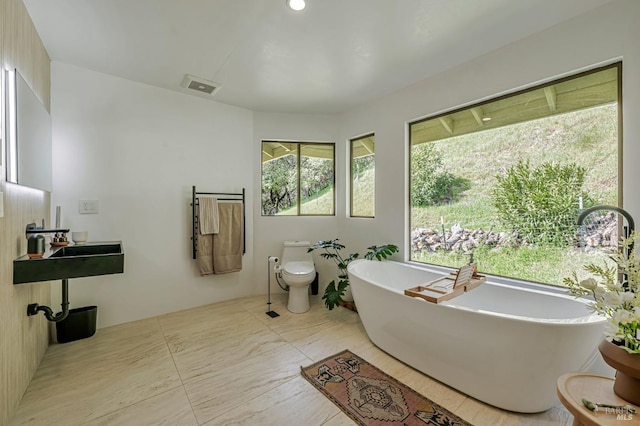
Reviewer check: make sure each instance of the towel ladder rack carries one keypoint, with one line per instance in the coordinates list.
(221, 196)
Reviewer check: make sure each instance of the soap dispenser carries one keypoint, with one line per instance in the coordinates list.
(35, 246)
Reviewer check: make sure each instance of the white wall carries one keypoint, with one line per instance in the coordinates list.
(138, 150)
(603, 35)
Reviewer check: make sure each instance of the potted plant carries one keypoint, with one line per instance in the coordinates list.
(615, 294)
(334, 294)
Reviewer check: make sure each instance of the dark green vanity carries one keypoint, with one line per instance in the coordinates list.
(73, 261)
(62, 263)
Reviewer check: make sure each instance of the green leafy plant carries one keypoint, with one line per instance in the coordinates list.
(332, 250)
(615, 291)
(541, 203)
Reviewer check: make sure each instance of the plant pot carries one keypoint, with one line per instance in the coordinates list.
(347, 296)
(627, 383)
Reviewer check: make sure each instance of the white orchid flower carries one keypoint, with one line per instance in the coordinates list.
(623, 317)
(615, 285)
(589, 284)
(612, 299)
(628, 296)
(599, 293)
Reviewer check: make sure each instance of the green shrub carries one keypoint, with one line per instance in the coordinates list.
(431, 183)
(541, 204)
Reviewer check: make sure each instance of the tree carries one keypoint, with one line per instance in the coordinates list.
(431, 183)
(279, 184)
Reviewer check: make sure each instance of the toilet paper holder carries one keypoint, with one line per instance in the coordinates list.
(271, 259)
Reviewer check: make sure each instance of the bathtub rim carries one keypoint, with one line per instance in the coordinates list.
(591, 318)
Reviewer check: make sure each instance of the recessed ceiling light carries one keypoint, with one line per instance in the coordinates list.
(486, 119)
(296, 5)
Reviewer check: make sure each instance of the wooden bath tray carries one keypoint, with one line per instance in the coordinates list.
(448, 287)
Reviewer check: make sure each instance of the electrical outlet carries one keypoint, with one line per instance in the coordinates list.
(89, 207)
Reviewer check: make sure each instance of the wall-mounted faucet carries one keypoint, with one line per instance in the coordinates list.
(32, 228)
(35, 240)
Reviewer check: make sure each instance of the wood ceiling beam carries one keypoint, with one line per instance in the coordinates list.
(447, 123)
(550, 94)
(478, 114)
(368, 144)
(563, 97)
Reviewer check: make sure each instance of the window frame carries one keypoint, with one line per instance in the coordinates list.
(508, 280)
(351, 192)
(299, 145)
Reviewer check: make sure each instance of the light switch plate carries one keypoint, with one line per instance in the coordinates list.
(1, 204)
(89, 207)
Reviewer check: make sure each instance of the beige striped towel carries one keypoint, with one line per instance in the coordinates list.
(209, 222)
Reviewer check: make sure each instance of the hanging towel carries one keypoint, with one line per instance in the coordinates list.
(204, 253)
(209, 220)
(228, 242)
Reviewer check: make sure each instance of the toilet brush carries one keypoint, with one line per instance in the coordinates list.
(271, 313)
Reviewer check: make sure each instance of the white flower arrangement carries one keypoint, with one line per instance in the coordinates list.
(616, 294)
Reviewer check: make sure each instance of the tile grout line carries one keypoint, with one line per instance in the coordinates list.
(255, 320)
(252, 399)
(184, 389)
(91, 421)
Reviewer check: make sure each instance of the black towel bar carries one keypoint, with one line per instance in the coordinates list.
(221, 196)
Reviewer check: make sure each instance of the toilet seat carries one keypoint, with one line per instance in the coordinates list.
(297, 273)
(298, 268)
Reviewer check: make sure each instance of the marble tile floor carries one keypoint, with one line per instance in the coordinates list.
(222, 364)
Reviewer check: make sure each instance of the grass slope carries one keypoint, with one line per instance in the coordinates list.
(588, 138)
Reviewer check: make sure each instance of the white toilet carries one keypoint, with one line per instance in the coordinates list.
(298, 271)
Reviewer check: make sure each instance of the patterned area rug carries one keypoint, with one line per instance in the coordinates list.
(371, 397)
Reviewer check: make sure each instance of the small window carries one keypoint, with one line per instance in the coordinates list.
(298, 178)
(363, 176)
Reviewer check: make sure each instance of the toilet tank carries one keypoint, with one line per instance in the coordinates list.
(296, 251)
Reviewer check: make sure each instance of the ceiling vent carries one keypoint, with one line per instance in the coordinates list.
(199, 84)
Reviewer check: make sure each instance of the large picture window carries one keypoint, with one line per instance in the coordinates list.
(298, 178)
(363, 176)
(504, 181)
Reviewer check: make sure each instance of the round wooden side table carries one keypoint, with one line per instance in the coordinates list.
(572, 387)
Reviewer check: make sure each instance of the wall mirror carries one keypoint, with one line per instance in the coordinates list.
(28, 135)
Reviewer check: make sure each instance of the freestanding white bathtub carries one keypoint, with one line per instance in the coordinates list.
(503, 345)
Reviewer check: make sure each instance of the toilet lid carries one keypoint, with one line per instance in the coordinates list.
(298, 268)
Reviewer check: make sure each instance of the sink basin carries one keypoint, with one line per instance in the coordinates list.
(88, 250)
(75, 261)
